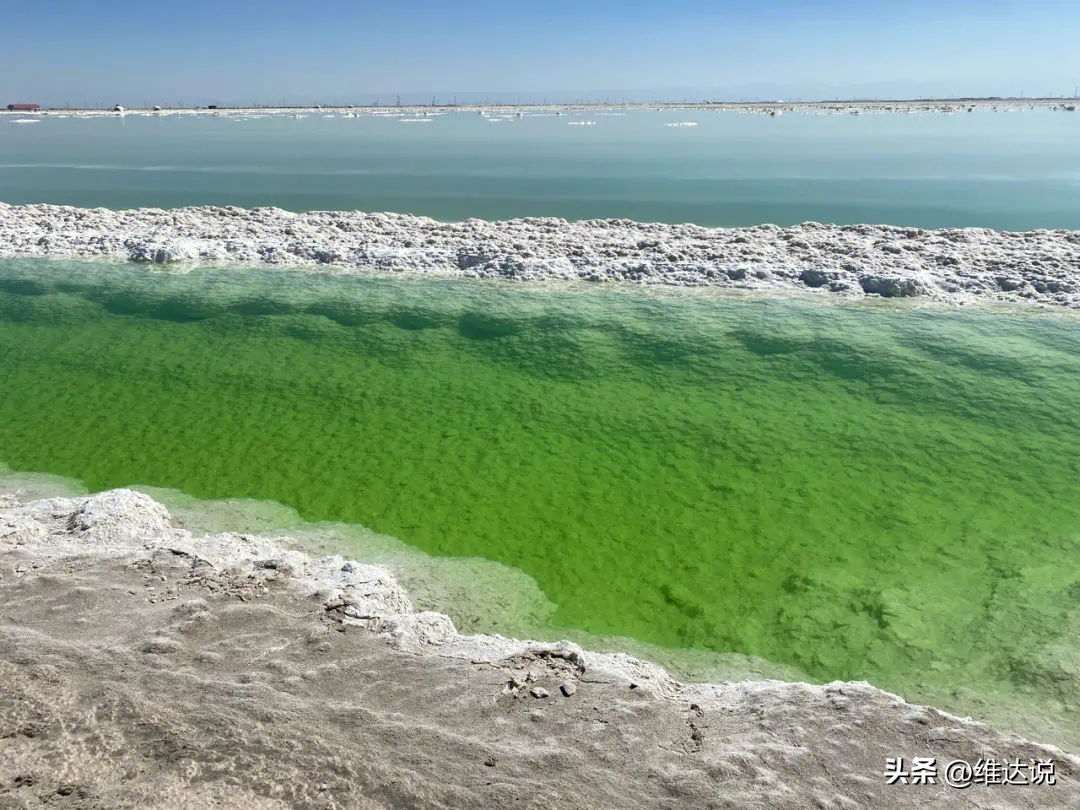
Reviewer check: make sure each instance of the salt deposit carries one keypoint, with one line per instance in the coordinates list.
(950, 265)
(770, 108)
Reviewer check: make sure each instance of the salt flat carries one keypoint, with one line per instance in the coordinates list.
(175, 670)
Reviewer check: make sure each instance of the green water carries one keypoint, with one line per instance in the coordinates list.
(854, 491)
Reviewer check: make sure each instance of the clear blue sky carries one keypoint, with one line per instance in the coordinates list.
(77, 52)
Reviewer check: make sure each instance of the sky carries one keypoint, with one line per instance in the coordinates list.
(106, 52)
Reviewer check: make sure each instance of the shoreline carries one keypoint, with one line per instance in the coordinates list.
(105, 596)
(955, 265)
(858, 106)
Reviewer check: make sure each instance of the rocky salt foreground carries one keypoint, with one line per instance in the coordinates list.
(953, 265)
(142, 666)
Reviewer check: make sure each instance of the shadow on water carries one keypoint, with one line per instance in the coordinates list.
(415, 320)
(479, 326)
(262, 306)
(173, 310)
(22, 287)
(121, 304)
(840, 359)
(341, 314)
(178, 310)
(765, 345)
(650, 349)
(978, 361)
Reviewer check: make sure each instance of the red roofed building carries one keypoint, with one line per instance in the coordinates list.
(23, 107)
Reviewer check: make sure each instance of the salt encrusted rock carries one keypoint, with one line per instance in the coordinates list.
(365, 591)
(892, 286)
(119, 516)
(414, 632)
(19, 529)
(813, 277)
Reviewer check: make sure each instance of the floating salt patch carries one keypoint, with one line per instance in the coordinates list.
(582, 123)
(25, 121)
(683, 124)
(416, 120)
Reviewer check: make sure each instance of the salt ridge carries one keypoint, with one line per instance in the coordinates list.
(952, 265)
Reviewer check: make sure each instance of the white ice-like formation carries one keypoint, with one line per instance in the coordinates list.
(952, 265)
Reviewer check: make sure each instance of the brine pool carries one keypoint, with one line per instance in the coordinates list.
(815, 488)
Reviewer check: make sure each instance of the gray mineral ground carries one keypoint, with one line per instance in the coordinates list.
(143, 666)
(959, 265)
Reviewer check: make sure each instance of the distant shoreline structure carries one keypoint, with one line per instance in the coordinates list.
(851, 105)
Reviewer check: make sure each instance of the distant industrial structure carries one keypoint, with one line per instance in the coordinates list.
(23, 107)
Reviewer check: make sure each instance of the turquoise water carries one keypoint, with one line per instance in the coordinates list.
(851, 491)
(999, 170)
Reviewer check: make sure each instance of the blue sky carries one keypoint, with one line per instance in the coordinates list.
(333, 51)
